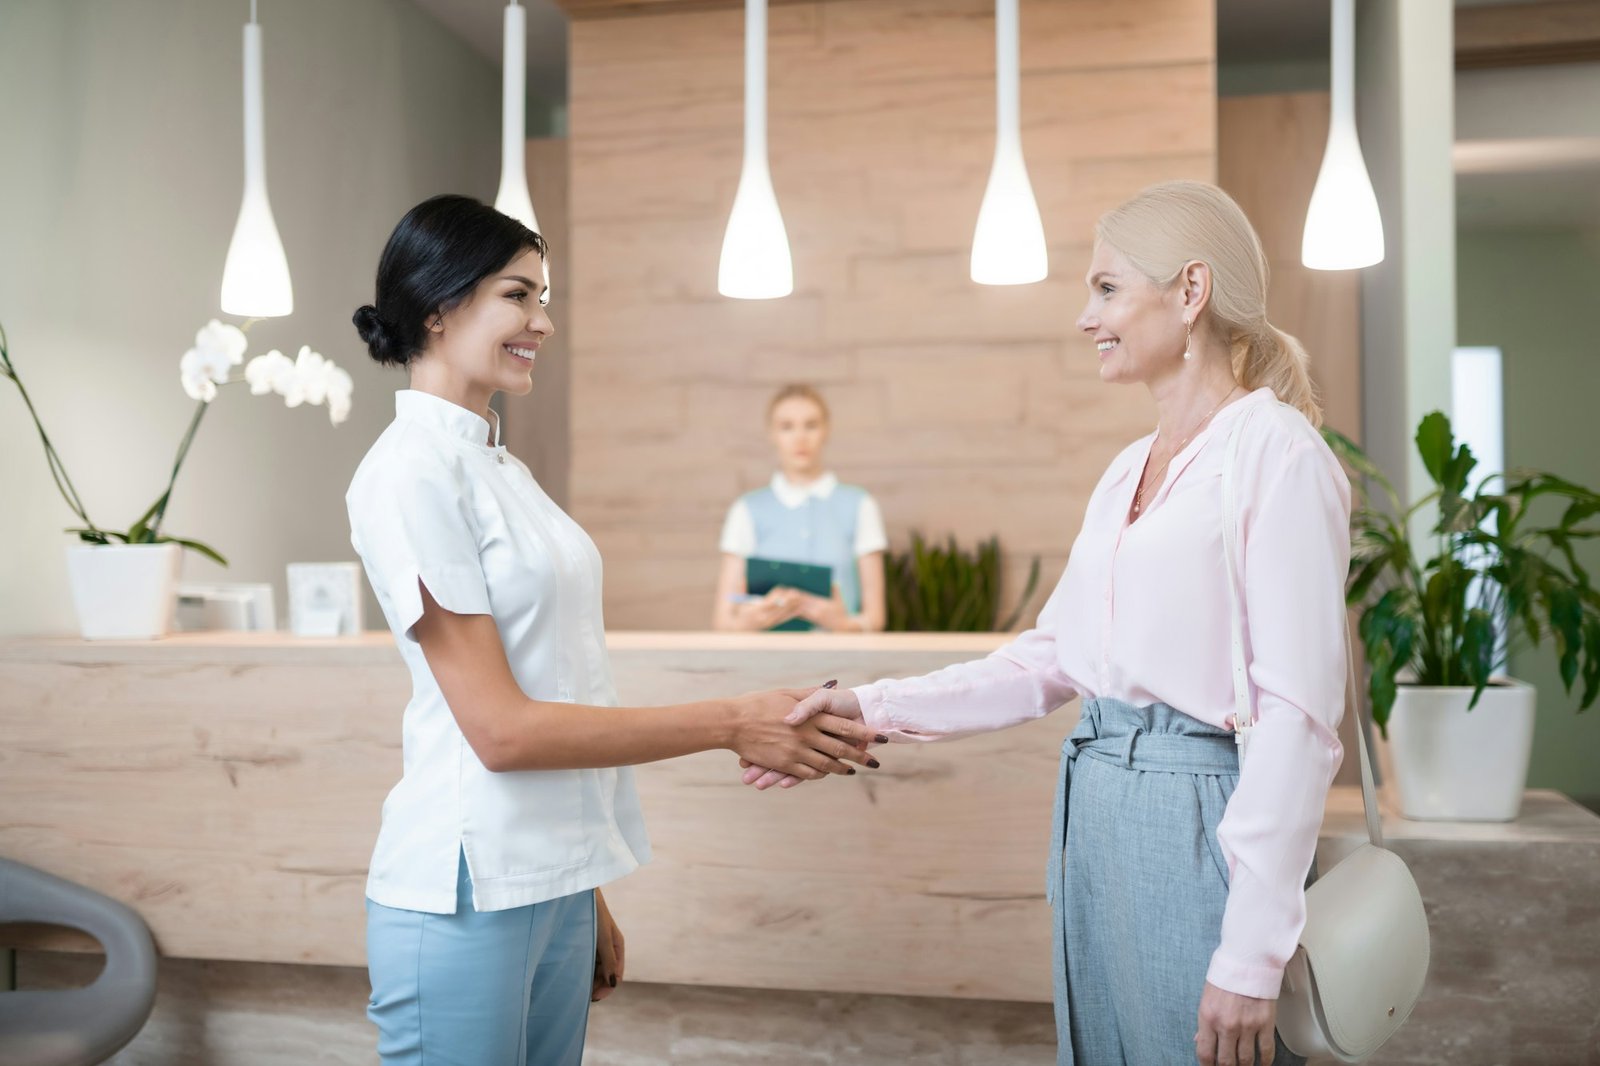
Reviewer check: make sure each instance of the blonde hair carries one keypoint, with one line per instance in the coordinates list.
(798, 392)
(1178, 222)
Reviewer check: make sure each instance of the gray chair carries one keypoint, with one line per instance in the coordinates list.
(76, 1026)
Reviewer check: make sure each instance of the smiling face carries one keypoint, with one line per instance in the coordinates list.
(1137, 325)
(489, 341)
(799, 429)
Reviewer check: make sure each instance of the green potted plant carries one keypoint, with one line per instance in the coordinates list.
(934, 588)
(124, 580)
(1441, 618)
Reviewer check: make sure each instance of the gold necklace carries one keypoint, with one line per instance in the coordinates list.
(1146, 476)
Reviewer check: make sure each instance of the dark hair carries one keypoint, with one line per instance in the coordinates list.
(434, 259)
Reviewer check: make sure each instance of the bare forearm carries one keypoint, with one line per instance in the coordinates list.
(539, 735)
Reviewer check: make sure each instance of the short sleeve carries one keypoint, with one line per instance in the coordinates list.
(413, 528)
(870, 535)
(739, 531)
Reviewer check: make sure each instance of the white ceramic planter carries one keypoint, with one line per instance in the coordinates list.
(1443, 762)
(124, 591)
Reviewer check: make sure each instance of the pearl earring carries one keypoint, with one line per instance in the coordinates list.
(1188, 334)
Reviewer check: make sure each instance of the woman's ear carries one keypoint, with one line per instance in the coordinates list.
(1196, 286)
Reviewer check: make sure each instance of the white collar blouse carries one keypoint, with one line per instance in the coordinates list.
(434, 502)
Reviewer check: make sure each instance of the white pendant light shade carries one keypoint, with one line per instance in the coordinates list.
(513, 198)
(755, 263)
(1344, 230)
(1008, 245)
(255, 276)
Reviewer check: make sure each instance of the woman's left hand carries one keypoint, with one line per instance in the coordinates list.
(1235, 1030)
(824, 613)
(609, 953)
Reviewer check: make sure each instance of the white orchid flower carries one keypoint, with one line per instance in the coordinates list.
(195, 373)
(218, 348)
(311, 374)
(272, 372)
(339, 386)
(220, 337)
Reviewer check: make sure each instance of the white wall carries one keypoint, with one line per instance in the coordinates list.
(1404, 103)
(120, 176)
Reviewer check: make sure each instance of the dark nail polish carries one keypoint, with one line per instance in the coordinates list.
(612, 980)
(881, 739)
(852, 770)
(831, 684)
(873, 763)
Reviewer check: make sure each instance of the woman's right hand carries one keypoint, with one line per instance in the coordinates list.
(820, 745)
(827, 702)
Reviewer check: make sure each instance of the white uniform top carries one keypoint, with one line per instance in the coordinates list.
(434, 501)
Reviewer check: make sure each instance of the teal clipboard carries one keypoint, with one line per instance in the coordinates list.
(761, 576)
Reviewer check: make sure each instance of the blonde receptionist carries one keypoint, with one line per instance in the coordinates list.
(805, 515)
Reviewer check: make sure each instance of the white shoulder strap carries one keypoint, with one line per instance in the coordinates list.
(1243, 716)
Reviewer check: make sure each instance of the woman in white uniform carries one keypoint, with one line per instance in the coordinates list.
(487, 936)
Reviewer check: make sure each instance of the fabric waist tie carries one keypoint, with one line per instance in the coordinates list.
(1152, 739)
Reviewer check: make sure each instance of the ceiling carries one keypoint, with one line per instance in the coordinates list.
(478, 22)
(1492, 191)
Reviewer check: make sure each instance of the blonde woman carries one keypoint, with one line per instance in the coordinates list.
(1177, 881)
(805, 515)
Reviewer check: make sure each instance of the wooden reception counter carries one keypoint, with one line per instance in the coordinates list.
(228, 787)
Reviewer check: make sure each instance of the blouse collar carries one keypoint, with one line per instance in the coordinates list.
(791, 495)
(1140, 449)
(448, 417)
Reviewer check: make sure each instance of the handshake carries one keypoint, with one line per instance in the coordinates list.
(795, 735)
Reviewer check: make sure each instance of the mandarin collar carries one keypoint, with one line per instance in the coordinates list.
(450, 418)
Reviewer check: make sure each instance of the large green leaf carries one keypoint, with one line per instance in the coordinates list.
(194, 546)
(1434, 441)
(1477, 651)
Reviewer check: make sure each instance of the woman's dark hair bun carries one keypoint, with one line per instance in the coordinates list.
(435, 257)
(375, 332)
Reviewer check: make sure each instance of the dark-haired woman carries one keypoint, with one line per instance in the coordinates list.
(487, 937)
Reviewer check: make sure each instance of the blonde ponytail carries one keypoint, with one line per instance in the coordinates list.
(1269, 356)
(1178, 222)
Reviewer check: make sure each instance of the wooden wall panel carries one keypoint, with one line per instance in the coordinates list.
(965, 409)
(1269, 149)
(538, 427)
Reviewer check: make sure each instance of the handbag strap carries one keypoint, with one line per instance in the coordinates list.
(1243, 717)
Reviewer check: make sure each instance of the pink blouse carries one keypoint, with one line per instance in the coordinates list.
(1141, 615)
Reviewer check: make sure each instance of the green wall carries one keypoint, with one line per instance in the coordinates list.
(1531, 294)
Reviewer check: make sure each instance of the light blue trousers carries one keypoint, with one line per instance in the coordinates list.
(1138, 883)
(499, 988)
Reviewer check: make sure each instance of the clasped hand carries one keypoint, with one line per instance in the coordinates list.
(791, 732)
(821, 707)
(785, 604)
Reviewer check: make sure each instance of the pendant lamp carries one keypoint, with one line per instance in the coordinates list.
(255, 276)
(513, 198)
(1008, 245)
(1343, 228)
(755, 262)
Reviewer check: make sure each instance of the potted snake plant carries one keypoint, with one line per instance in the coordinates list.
(1500, 571)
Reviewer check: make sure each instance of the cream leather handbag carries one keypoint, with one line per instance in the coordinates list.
(1363, 954)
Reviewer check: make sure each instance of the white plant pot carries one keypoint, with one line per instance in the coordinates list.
(1443, 762)
(124, 591)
